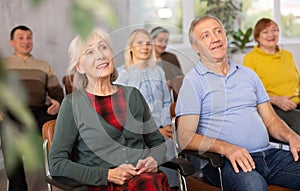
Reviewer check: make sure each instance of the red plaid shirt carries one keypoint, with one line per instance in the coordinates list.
(112, 107)
(146, 181)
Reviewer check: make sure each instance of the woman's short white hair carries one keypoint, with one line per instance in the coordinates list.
(76, 48)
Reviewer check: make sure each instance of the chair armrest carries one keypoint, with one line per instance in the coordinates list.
(213, 158)
(184, 166)
(272, 139)
(65, 183)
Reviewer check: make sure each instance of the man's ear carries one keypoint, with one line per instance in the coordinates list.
(11, 42)
(79, 70)
(196, 48)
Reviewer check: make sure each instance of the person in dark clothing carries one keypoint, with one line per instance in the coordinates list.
(44, 93)
(167, 60)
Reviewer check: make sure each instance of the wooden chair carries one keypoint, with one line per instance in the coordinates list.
(174, 86)
(68, 83)
(184, 167)
(62, 183)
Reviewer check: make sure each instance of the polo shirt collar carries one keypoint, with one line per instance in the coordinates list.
(202, 69)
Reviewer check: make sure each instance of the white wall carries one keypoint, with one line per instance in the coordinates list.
(50, 26)
(295, 49)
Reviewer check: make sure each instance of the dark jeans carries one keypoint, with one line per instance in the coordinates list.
(273, 166)
(292, 118)
(16, 177)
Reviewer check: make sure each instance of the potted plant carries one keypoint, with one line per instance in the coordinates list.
(241, 40)
(240, 44)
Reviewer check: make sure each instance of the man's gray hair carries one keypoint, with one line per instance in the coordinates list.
(197, 21)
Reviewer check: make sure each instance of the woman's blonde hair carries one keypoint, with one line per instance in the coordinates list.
(76, 49)
(128, 60)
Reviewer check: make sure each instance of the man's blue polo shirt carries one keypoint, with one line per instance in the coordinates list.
(227, 105)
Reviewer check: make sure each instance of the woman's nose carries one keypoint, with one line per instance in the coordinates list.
(100, 55)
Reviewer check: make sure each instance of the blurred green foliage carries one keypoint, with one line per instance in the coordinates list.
(22, 138)
(84, 13)
(225, 10)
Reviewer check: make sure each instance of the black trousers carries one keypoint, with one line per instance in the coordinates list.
(292, 117)
(41, 116)
(16, 176)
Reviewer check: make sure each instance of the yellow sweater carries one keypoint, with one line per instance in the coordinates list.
(278, 72)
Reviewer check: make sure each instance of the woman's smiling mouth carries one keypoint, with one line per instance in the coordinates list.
(100, 66)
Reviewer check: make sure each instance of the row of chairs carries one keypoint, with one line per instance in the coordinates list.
(189, 182)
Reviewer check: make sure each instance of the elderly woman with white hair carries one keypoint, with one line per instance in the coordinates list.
(105, 136)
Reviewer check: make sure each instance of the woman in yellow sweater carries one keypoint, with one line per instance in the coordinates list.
(277, 70)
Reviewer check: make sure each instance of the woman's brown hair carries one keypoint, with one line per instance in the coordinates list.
(261, 25)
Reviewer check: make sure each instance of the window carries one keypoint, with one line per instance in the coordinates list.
(290, 18)
(285, 12)
(176, 15)
(165, 13)
(254, 10)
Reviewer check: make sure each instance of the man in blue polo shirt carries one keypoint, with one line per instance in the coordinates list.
(223, 107)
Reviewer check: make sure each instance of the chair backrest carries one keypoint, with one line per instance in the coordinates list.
(48, 131)
(174, 86)
(68, 83)
(172, 110)
(63, 183)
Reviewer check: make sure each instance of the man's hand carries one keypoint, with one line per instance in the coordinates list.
(148, 164)
(240, 157)
(121, 174)
(294, 142)
(53, 109)
(166, 131)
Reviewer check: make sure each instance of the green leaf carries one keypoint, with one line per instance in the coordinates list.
(20, 141)
(248, 33)
(15, 105)
(240, 40)
(2, 70)
(36, 3)
(82, 20)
